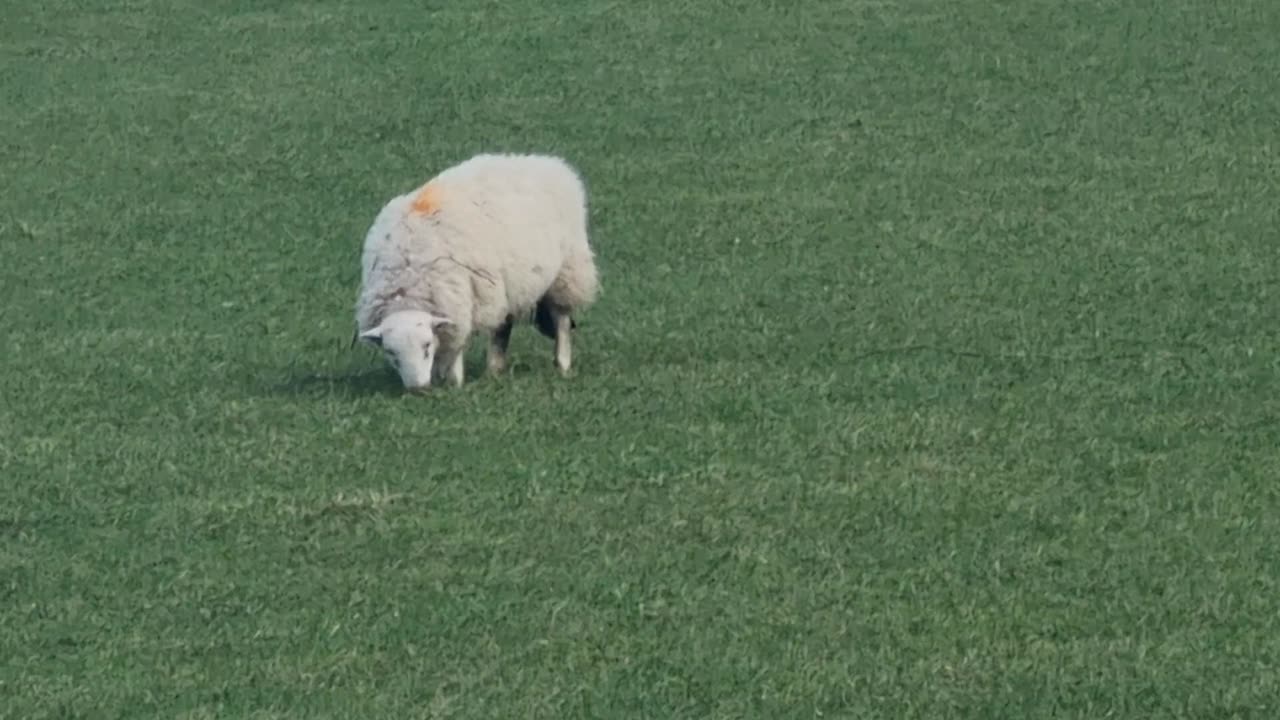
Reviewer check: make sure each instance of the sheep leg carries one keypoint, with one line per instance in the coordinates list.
(564, 330)
(449, 366)
(455, 369)
(498, 346)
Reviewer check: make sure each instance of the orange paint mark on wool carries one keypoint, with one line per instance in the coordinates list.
(427, 200)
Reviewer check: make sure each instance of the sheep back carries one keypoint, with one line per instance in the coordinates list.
(482, 240)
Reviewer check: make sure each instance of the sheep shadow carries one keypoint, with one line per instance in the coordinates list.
(350, 383)
(380, 380)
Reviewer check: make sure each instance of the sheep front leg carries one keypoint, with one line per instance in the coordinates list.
(449, 366)
(455, 369)
(564, 330)
(498, 346)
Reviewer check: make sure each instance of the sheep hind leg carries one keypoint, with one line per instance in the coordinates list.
(564, 335)
(544, 318)
(498, 346)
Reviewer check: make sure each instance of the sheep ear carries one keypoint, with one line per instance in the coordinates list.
(373, 337)
(439, 322)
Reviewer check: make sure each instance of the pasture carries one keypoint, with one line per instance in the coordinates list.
(935, 373)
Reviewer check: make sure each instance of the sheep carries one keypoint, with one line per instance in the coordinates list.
(492, 239)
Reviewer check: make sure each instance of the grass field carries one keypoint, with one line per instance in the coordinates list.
(936, 372)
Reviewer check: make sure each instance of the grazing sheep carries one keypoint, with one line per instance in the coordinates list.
(493, 239)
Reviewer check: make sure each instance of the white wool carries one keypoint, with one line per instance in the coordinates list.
(481, 242)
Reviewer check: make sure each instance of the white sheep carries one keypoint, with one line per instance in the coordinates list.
(494, 239)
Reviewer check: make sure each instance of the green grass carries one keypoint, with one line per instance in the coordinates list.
(936, 372)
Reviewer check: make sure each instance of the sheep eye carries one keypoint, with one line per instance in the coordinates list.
(426, 350)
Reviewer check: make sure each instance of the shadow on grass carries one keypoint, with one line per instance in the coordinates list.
(372, 381)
